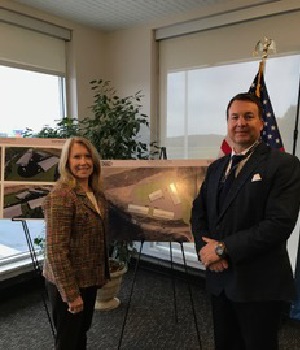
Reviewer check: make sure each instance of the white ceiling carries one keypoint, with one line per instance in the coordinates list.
(116, 14)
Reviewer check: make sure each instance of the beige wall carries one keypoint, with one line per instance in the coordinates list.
(129, 53)
(88, 52)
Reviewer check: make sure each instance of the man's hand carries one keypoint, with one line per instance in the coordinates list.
(219, 266)
(207, 254)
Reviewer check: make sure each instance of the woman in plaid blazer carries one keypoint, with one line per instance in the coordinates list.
(76, 259)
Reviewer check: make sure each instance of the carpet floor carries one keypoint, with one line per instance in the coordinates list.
(151, 322)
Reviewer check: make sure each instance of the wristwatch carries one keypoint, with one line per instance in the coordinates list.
(220, 250)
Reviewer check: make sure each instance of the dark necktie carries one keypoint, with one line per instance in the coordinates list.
(228, 180)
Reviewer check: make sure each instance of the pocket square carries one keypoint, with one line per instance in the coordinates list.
(256, 177)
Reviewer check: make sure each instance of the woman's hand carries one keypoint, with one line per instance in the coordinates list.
(76, 305)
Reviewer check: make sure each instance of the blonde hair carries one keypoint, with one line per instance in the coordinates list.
(66, 177)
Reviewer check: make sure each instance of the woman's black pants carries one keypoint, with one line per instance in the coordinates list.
(71, 329)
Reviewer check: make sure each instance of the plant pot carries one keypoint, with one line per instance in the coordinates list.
(107, 296)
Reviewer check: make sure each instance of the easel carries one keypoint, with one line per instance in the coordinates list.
(163, 155)
(173, 287)
(36, 268)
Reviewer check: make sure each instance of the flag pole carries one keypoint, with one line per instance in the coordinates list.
(260, 73)
(295, 138)
(262, 46)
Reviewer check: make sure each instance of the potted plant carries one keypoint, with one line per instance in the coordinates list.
(114, 130)
(119, 258)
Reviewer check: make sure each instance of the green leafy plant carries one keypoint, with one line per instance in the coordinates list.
(116, 123)
(122, 251)
(64, 128)
(40, 242)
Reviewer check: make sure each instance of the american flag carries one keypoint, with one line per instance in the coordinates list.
(270, 133)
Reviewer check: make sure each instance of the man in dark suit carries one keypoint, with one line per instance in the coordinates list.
(245, 212)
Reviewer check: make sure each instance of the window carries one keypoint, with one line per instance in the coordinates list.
(33, 64)
(197, 100)
(161, 250)
(29, 99)
(14, 252)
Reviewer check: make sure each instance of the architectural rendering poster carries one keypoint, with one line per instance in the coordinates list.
(152, 200)
(29, 167)
(148, 200)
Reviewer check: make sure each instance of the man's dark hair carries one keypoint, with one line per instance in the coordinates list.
(246, 96)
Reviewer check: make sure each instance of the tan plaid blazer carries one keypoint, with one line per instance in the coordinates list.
(76, 252)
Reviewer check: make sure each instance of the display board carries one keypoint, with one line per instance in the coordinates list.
(148, 199)
(28, 170)
(152, 200)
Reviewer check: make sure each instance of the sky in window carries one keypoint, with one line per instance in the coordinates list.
(208, 91)
(28, 99)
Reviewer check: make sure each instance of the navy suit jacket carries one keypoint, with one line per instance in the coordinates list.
(257, 218)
